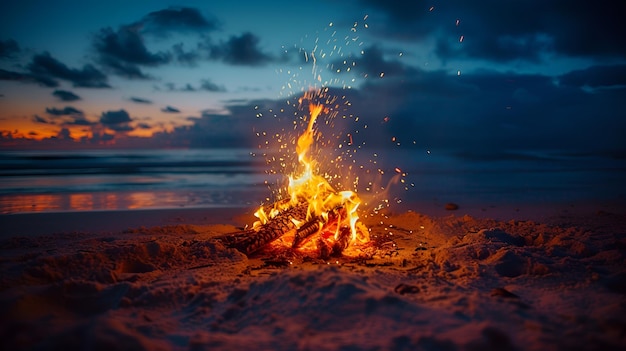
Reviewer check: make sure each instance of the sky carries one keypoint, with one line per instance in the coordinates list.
(475, 77)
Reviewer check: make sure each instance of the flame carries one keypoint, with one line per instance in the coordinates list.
(313, 189)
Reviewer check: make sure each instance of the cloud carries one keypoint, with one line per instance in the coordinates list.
(140, 100)
(182, 19)
(205, 85)
(487, 112)
(603, 76)
(172, 87)
(66, 111)
(118, 121)
(42, 120)
(372, 62)
(27, 78)
(78, 121)
(508, 31)
(123, 69)
(8, 49)
(65, 95)
(70, 116)
(44, 81)
(480, 113)
(10, 75)
(170, 109)
(120, 127)
(208, 131)
(113, 118)
(240, 50)
(127, 45)
(143, 125)
(189, 58)
(124, 51)
(44, 69)
(500, 48)
(64, 134)
(584, 29)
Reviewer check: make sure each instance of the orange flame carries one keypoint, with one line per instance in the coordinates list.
(314, 189)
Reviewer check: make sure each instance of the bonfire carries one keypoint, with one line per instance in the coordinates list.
(314, 215)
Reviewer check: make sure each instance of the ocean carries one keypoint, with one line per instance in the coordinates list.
(92, 180)
(96, 180)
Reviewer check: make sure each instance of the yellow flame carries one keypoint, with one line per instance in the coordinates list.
(311, 188)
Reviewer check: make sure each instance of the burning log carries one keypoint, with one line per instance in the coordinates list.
(250, 241)
(342, 241)
(325, 250)
(334, 236)
(333, 247)
(315, 225)
(305, 231)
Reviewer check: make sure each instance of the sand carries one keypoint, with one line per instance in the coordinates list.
(424, 282)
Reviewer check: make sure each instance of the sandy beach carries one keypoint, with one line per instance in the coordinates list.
(162, 280)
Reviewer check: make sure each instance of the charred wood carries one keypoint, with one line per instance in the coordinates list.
(342, 242)
(324, 248)
(304, 232)
(250, 241)
(315, 225)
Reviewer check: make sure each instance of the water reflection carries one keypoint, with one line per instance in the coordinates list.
(95, 180)
(81, 201)
(98, 201)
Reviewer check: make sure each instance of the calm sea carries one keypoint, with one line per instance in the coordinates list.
(92, 180)
(33, 181)
(521, 177)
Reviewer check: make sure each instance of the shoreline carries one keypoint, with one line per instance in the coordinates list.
(42, 223)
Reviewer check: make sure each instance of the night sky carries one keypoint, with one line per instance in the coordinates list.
(477, 77)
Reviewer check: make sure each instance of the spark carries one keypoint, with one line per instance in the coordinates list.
(461, 38)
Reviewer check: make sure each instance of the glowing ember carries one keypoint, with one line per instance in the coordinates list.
(331, 213)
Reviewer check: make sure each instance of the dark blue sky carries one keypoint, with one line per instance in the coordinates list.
(476, 77)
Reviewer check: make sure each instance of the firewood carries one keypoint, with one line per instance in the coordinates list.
(315, 225)
(342, 242)
(250, 241)
(304, 232)
(324, 248)
(333, 247)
